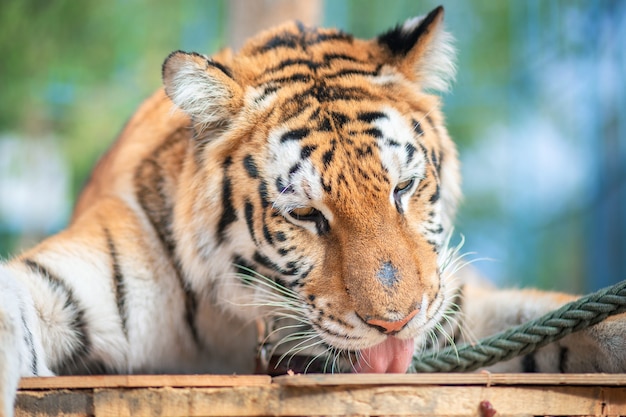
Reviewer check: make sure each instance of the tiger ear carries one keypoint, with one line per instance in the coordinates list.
(422, 51)
(202, 88)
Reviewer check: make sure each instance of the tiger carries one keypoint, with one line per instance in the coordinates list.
(286, 206)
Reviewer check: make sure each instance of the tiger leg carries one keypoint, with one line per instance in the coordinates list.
(600, 348)
(21, 352)
(58, 307)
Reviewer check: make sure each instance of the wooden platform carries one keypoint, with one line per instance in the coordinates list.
(313, 395)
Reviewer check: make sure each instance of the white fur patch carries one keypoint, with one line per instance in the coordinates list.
(437, 68)
(199, 94)
(395, 157)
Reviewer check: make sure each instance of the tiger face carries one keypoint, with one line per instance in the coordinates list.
(321, 163)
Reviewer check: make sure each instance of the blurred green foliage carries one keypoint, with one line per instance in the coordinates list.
(79, 69)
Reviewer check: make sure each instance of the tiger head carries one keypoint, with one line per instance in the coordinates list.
(321, 163)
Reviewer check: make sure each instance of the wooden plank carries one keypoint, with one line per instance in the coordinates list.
(445, 401)
(487, 379)
(483, 378)
(432, 395)
(615, 403)
(65, 403)
(139, 381)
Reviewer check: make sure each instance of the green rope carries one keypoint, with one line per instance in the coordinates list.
(528, 337)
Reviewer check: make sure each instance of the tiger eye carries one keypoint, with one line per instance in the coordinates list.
(302, 212)
(404, 185)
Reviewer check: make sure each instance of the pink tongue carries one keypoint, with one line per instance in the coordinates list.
(391, 356)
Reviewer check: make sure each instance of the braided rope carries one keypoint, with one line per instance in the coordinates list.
(528, 337)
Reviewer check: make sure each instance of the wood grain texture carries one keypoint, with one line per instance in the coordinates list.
(358, 395)
(140, 381)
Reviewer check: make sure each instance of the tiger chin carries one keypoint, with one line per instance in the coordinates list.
(295, 198)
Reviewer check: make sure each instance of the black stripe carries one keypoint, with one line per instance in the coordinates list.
(417, 128)
(369, 117)
(82, 345)
(209, 62)
(325, 125)
(529, 364)
(264, 195)
(331, 57)
(366, 176)
(374, 132)
(229, 214)
(119, 286)
(456, 307)
(282, 40)
(296, 134)
(306, 151)
(191, 309)
(327, 186)
(285, 251)
(281, 187)
(268, 263)
(267, 90)
(563, 357)
(437, 230)
(436, 158)
(294, 110)
(422, 186)
(293, 62)
(410, 152)
(280, 236)
(150, 188)
(435, 197)
(158, 207)
(249, 216)
(290, 79)
(364, 150)
(354, 71)
(220, 67)
(327, 157)
(340, 119)
(423, 150)
(265, 261)
(149, 191)
(319, 322)
(267, 234)
(250, 165)
(328, 94)
(333, 36)
(301, 40)
(28, 338)
(244, 268)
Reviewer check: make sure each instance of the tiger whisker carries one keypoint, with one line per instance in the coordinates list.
(293, 351)
(328, 349)
(256, 277)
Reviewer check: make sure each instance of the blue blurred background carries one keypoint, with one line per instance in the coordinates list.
(538, 112)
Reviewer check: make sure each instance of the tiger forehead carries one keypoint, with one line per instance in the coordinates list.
(346, 152)
(296, 54)
(296, 35)
(341, 152)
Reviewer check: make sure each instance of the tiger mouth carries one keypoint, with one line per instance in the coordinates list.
(391, 356)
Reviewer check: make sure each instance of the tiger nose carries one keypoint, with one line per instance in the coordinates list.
(391, 327)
